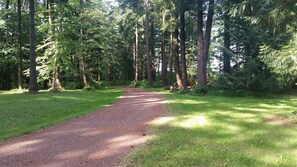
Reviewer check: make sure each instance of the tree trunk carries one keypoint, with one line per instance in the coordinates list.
(163, 54)
(99, 70)
(56, 86)
(176, 56)
(171, 58)
(154, 60)
(203, 41)
(183, 46)
(33, 74)
(136, 77)
(20, 58)
(226, 55)
(147, 41)
(83, 70)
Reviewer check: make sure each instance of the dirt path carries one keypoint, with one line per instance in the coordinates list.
(102, 138)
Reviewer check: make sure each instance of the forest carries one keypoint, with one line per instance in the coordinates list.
(244, 45)
(148, 83)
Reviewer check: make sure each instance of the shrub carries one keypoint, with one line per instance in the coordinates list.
(143, 83)
(134, 84)
(73, 85)
(157, 84)
(199, 90)
(98, 84)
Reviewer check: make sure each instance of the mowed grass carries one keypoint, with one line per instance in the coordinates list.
(22, 113)
(222, 131)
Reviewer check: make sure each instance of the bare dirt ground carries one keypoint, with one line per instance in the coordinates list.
(102, 138)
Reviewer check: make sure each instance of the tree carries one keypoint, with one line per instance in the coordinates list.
(147, 41)
(203, 40)
(20, 59)
(33, 74)
(183, 45)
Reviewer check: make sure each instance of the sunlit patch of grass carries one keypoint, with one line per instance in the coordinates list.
(22, 113)
(221, 131)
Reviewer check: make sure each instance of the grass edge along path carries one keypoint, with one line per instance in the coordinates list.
(23, 113)
(221, 131)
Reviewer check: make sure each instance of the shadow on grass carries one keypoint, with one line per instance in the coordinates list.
(219, 131)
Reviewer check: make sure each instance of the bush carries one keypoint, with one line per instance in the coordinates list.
(134, 84)
(73, 85)
(98, 84)
(143, 83)
(199, 90)
(157, 84)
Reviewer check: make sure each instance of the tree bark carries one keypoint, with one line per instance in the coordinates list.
(154, 60)
(163, 54)
(203, 41)
(33, 74)
(183, 46)
(20, 58)
(136, 77)
(56, 86)
(171, 58)
(176, 56)
(83, 70)
(226, 55)
(147, 41)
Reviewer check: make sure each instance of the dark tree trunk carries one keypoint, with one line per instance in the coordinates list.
(147, 41)
(7, 4)
(171, 58)
(203, 41)
(226, 55)
(33, 74)
(20, 58)
(163, 55)
(176, 56)
(183, 46)
(154, 60)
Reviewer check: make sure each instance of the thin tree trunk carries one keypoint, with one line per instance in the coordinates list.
(154, 60)
(56, 80)
(136, 77)
(163, 55)
(33, 74)
(171, 58)
(99, 70)
(226, 55)
(147, 41)
(183, 46)
(83, 70)
(20, 58)
(82, 63)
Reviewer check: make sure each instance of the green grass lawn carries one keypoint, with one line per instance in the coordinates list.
(221, 131)
(22, 113)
